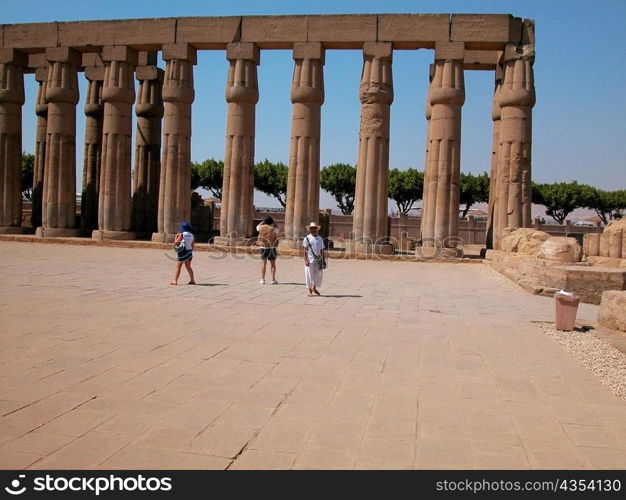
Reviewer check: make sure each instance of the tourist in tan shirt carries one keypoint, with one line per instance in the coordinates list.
(268, 240)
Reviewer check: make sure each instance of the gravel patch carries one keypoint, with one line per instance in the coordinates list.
(599, 357)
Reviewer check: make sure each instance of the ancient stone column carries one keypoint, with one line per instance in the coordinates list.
(496, 114)
(118, 96)
(149, 110)
(428, 114)
(175, 176)
(12, 63)
(92, 157)
(303, 184)
(242, 94)
(440, 211)
(513, 184)
(370, 226)
(41, 110)
(59, 182)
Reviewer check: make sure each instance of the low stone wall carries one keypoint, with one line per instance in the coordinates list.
(613, 310)
(545, 278)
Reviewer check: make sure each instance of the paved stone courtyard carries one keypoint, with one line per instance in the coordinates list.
(398, 365)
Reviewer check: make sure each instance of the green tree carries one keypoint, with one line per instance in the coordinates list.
(560, 198)
(339, 180)
(28, 166)
(271, 179)
(405, 188)
(606, 203)
(474, 189)
(209, 175)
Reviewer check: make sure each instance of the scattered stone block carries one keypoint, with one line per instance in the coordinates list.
(613, 310)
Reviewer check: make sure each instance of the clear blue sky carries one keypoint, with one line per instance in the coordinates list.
(579, 121)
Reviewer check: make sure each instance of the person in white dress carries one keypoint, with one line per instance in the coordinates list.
(313, 245)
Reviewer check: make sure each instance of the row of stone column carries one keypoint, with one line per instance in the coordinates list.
(109, 208)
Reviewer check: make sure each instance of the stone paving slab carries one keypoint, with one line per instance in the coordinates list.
(398, 365)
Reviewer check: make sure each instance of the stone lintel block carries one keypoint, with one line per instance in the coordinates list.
(147, 58)
(87, 33)
(308, 50)
(383, 50)
(148, 73)
(41, 74)
(36, 61)
(413, 31)
(12, 56)
(65, 55)
(337, 30)
(485, 31)
(243, 50)
(94, 73)
(481, 59)
(449, 50)
(93, 59)
(208, 32)
(121, 53)
(274, 31)
(138, 33)
(181, 51)
(30, 35)
(145, 33)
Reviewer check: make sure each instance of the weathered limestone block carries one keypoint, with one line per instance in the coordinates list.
(12, 65)
(372, 175)
(307, 96)
(591, 244)
(614, 241)
(560, 249)
(612, 312)
(526, 241)
(597, 261)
